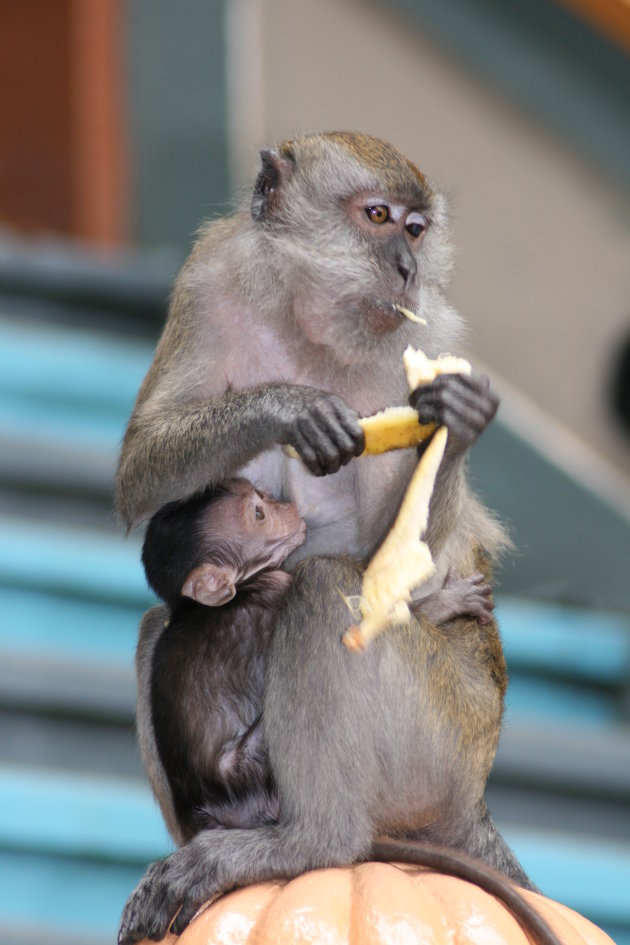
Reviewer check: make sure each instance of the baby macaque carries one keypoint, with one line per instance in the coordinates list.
(215, 560)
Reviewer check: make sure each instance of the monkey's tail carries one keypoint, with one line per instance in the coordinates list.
(455, 863)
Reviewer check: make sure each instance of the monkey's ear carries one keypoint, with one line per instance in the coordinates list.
(276, 170)
(211, 584)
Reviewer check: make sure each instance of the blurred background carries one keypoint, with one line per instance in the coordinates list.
(126, 123)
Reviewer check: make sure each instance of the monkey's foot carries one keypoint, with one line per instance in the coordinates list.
(473, 596)
(168, 896)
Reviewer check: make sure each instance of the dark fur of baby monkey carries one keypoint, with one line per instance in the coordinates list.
(215, 560)
(283, 330)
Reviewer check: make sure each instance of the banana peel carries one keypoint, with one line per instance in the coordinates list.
(423, 370)
(403, 561)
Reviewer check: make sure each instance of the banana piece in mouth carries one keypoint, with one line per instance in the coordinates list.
(410, 315)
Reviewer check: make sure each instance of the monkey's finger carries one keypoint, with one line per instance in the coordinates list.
(185, 916)
(160, 914)
(473, 394)
(308, 455)
(323, 444)
(465, 423)
(452, 391)
(477, 605)
(129, 934)
(478, 581)
(481, 604)
(143, 912)
(452, 577)
(153, 926)
(354, 435)
(488, 609)
(469, 389)
(339, 446)
(318, 453)
(341, 425)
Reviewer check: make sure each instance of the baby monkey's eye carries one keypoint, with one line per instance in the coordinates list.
(415, 224)
(378, 214)
(260, 513)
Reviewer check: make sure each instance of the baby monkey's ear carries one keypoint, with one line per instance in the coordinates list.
(211, 584)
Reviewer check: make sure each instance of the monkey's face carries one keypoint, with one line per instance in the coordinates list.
(392, 233)
(261, 531)
(355, 269)
(347, 216)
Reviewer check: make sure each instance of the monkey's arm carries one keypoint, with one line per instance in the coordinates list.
(174, 449)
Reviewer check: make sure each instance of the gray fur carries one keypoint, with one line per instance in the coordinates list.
(151, 627)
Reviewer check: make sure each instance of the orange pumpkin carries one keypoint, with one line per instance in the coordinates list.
(374, 904)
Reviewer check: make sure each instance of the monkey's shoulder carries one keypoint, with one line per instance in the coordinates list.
(212, 235)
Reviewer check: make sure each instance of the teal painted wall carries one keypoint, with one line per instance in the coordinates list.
(545, 59)
(175, 77)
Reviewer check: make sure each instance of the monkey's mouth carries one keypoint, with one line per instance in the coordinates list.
(288, 545)
(407, 313)
(383, 317)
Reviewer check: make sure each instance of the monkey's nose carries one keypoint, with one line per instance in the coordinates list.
(407, 267)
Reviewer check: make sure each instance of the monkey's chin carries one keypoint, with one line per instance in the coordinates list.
(380, 317)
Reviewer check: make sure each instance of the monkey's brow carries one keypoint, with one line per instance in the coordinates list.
(411, 199)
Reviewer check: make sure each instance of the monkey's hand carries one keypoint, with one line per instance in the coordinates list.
(322, 429)
(465, 404)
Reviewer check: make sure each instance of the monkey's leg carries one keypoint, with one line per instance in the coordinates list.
(478, 837)
(151, 627)
(485, 842)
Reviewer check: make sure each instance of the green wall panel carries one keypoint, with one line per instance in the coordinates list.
(175, 61)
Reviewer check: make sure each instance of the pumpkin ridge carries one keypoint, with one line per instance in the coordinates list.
(472, 906)
(376, 904)
(568, 923)
(353, 938)
(254, 934)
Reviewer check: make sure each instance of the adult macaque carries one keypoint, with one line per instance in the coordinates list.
(284, 329)
(215, 560)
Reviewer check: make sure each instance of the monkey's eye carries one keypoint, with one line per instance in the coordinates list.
(415, 224)
(260, 513)
(378, 214)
